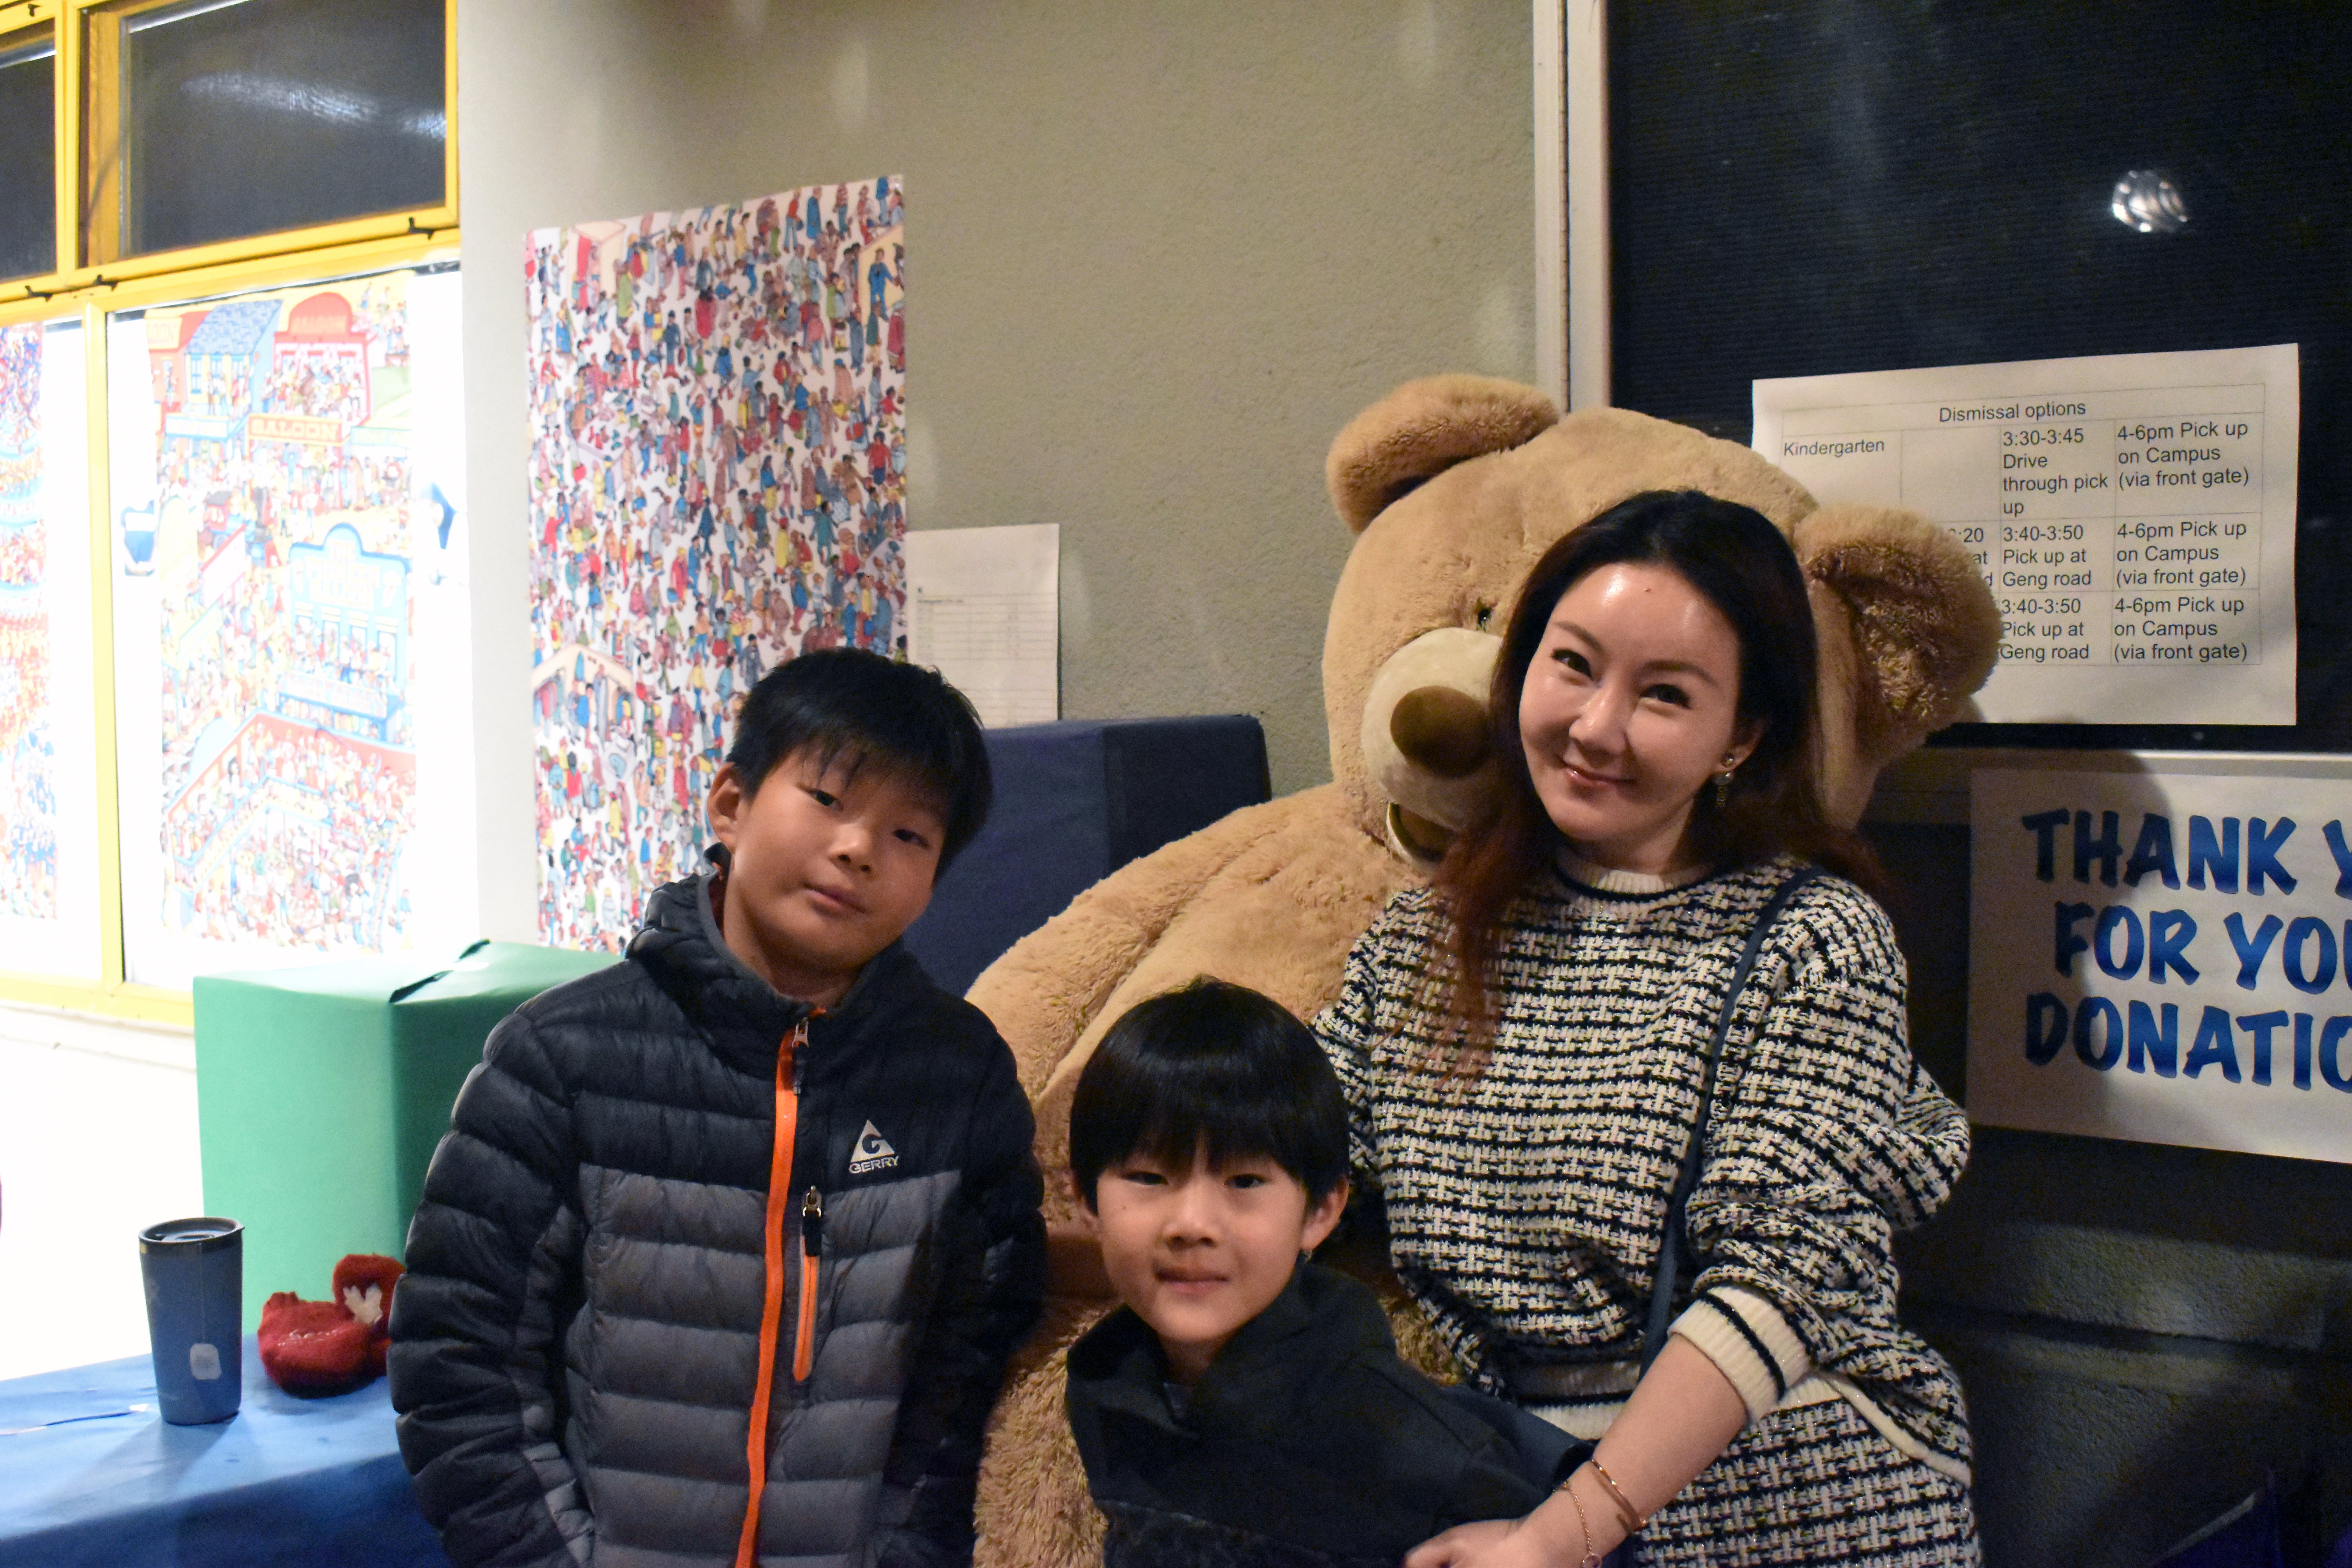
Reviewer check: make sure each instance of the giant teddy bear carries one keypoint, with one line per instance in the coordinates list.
(1453, 486)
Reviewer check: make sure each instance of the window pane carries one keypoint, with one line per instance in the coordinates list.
(244, 116)
(29, 155)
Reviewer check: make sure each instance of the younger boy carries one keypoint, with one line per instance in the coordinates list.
(1246, 1407)
(757, 1202)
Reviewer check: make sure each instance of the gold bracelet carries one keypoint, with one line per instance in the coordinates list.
(1583, 1526)
(1627, 1514)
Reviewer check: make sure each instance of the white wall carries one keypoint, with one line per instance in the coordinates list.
(1157, 254)
(97, 1139)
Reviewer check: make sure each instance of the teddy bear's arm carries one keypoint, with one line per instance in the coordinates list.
(1042, 993)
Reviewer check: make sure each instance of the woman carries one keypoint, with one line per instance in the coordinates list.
(1522, 1047)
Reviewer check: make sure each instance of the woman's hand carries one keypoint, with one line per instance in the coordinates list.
(1682, 1413)
(1490, 1543)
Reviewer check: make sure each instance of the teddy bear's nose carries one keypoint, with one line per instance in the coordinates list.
(1441, 730)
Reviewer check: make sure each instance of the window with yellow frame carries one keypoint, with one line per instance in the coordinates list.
(281, 167)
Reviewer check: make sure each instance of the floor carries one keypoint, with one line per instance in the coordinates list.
(98, 1138)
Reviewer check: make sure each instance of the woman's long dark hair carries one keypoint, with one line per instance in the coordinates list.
(1742, 566)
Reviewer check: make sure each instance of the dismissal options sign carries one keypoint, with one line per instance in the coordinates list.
(2164, 956)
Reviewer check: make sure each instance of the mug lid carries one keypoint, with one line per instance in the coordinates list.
(201, 1233)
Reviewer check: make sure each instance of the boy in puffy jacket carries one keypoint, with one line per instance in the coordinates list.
(1246, 1408)
(756, 1202)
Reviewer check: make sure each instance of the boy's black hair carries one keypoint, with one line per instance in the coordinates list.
(1217, 1067)
(851, 707)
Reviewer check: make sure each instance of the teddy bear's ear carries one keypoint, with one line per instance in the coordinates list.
(1925, 630)
(1421, 429)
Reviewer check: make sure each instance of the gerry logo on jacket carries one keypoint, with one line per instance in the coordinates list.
(873, 1153)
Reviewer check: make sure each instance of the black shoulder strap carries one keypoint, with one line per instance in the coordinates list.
(1674, 1248)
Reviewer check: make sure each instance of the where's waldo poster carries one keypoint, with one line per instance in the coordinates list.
(280, 484)
(28, 801)
(48, 763)
(717, 413)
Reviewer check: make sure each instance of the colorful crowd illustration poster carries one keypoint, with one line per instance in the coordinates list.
(49, 913)
(28, 791)
(273, 519)
(718, 403)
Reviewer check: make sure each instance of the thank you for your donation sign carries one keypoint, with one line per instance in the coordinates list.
(2162, 957)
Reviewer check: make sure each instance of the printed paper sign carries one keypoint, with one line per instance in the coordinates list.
(2162, 957)
(983, 609)
(2134, 515)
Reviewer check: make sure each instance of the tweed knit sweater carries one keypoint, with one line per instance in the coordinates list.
(1525, 1204)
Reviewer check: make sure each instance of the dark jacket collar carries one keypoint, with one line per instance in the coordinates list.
(1321, 1321)
(682, 947)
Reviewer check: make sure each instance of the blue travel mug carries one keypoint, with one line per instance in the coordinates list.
(194, 1274)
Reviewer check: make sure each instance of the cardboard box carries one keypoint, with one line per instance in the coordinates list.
(322, 1091)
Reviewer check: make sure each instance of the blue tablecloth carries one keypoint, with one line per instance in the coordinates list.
(86, 1479)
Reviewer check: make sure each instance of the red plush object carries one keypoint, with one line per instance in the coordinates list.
(313, 1348)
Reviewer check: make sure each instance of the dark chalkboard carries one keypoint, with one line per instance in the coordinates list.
(1825, 187)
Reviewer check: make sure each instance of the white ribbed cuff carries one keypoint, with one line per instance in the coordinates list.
(1749, 1343)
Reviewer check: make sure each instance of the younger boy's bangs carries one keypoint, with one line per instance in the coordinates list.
(1204, 1107)
(1213, 1068)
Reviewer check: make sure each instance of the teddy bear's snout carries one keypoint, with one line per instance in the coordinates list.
(1424, 737)
(1441, 730)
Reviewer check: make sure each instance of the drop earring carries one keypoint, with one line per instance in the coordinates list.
(1723, 780)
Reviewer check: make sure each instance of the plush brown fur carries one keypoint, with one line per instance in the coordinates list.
(1454, 485)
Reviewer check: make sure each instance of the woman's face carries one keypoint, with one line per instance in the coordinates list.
(1630, 706)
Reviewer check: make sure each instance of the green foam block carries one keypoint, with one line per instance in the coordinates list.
(322, 1091)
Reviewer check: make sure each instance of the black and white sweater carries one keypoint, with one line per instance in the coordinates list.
(1525, 1204)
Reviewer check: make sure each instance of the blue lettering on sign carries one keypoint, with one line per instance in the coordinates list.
(2215, 1046)
(2321, 972)
(2152, 852)
(2128, 944)
(2331, 1039)
(2262, 854)
(2205, 854)
(2113, 919)
(2250, 949)
(2044, 826)
(2100, 1008)
(2067, 944)
(2261, 1025)
(2045, 1027)
(2155, 1045)
(2343, 853)
(2147, 1039)
(2216, 855)
(2107, 848)
(2169, 932)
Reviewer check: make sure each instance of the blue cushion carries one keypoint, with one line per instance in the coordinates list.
(1075, 802)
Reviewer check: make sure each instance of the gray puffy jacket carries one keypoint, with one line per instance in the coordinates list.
(577, 1343)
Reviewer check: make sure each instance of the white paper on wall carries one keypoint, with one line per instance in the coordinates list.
(2158, 953)
(983, 609)
(2134, 515)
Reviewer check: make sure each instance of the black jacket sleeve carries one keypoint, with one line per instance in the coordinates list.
(991, 1281)
(475, 1367)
